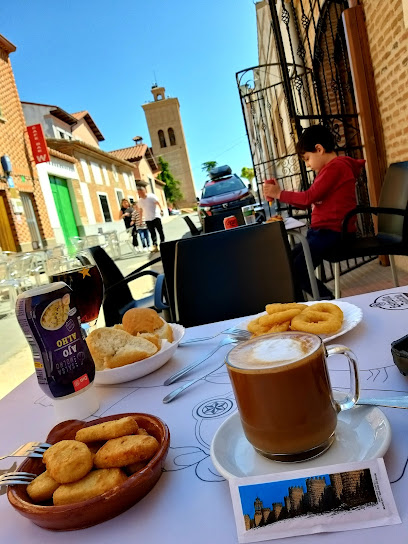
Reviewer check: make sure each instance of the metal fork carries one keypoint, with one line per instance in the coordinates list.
(233, 331)
(186, 369)
(31, 449)
(13, 478)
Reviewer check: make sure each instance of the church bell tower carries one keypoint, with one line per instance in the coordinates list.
(168, 140)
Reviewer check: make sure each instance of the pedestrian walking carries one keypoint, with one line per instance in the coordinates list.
(151, 212)
(125, 213)
(140, 228)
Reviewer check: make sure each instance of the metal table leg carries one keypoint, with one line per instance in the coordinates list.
(309, 263)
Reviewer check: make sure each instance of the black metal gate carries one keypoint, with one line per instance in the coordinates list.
(308, 81)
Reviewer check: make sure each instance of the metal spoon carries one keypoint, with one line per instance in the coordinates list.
(388, 402)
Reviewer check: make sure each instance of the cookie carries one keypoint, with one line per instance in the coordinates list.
(126, 450)
(107, 430)
(68, 461)
(42, 488)
(92, 485)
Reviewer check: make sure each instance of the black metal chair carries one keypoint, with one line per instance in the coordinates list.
(193, 229)
(392, 237)
(231, 273)
(167, 252)
(117, 297)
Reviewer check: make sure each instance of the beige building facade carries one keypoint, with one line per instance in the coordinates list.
(82, 185)
(168, 141)
(145, 168)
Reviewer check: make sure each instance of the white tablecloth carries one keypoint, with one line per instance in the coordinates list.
(191, 502)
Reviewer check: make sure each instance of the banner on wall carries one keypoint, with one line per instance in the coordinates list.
(38, 144)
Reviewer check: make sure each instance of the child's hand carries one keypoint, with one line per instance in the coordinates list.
(272, 191)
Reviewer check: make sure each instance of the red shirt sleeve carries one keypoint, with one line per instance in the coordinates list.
(322, 185)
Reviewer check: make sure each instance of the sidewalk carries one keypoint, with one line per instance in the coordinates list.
(15, 356)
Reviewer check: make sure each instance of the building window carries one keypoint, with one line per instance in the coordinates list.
(172, 136)
(97, 174)
(151, 185)
(61, 134)
(126, 178)
(119, 196)
(115, 173)
(103, 201)
(162, 139)
(105, 175)
(85, 170)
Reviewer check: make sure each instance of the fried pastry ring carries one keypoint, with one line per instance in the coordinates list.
(328, 307)
(278, 307)
(316, 322)
(277, 317)
(277, 327)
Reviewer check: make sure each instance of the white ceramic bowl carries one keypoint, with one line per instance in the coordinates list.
(136, 370)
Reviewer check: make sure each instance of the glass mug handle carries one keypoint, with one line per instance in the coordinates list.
(351, 399)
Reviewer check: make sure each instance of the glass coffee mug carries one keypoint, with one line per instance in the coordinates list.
(283, 392)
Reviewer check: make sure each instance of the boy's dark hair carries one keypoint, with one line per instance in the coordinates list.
(311, 136)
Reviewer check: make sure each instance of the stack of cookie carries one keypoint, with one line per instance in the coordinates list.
(100, 458)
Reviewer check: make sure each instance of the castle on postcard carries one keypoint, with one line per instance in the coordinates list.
(346, 490)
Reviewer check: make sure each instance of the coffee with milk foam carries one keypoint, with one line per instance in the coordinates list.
(279, 350)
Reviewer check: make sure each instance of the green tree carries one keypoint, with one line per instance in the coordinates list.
(172, 190)
(207, 166)
(248, 173)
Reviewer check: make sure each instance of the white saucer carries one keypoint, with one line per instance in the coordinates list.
(362, 433)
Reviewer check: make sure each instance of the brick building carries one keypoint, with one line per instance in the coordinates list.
(387, 30)
(24, 221)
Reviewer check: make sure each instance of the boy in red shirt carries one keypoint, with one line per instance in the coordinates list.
(332, 195)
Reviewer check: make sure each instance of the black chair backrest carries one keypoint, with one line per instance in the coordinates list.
(394, 194)
(232, 273)
(167, 252)
(111, 275)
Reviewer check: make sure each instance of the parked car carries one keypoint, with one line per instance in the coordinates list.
(223, 192)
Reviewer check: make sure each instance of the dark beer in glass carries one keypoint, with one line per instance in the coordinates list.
(86, 284)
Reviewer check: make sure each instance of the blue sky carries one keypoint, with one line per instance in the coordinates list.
(269, 493)
(103, 56)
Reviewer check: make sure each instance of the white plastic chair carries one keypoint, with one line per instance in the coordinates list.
(8, 284)
(125, 243)
(78, 242)
(21, 270)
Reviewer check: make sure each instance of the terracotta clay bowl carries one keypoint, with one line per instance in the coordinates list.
(106, 506)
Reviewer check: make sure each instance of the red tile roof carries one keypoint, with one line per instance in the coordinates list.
(132, 153)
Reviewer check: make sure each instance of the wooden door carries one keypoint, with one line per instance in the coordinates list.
(7, 242)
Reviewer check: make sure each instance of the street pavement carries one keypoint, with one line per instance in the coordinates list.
(16, 362)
